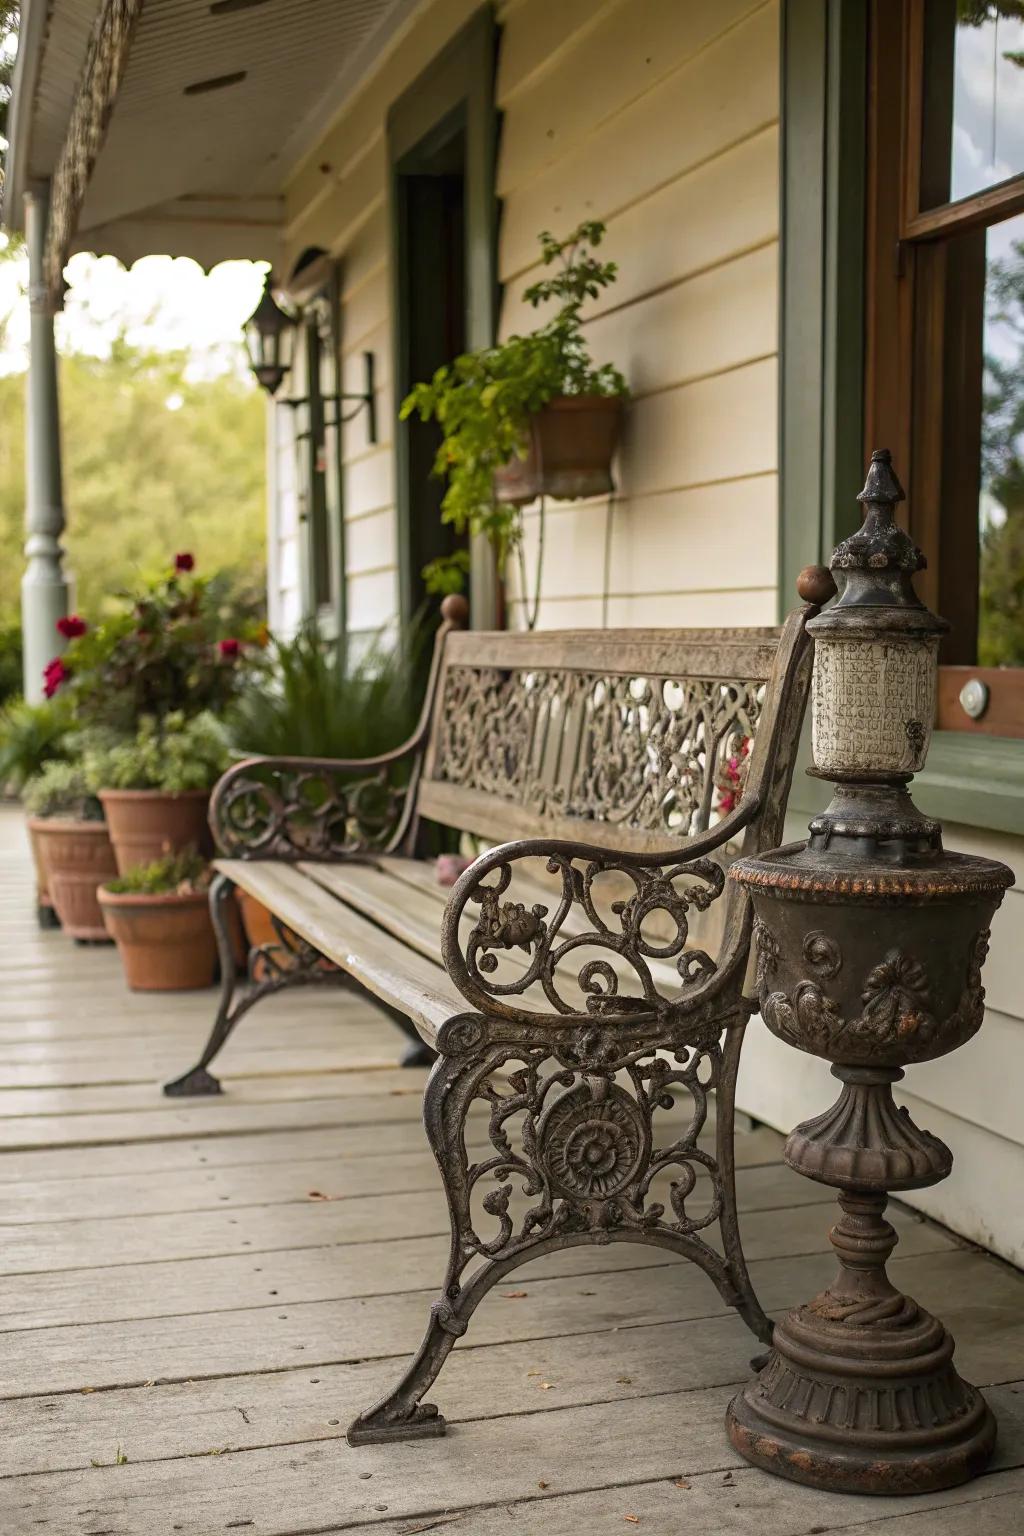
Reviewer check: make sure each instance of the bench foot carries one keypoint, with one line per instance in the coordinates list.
(290, 962)
(195, 1084)
(425, 1423)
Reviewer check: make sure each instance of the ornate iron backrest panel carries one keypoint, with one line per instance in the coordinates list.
(644, 736)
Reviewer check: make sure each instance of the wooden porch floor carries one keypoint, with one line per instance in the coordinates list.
(190, 1324)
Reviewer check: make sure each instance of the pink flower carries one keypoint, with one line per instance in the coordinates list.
(184, 562)
(71, 627)
(727, 802)
(229, 648)
(54, 674)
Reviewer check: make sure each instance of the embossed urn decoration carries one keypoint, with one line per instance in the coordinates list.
(870, 940)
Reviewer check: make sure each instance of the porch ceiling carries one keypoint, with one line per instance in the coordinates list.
(189, 167)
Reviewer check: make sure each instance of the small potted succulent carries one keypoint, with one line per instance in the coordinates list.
(67, 827)
(532, 416)
(145, 688)
(158, 914)
(155, 786)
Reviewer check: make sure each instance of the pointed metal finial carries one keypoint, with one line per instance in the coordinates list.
(882, 486)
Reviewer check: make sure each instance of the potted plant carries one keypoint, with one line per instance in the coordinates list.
(158, 915)
(314, 698)
(32, 735)
(531, 416)
(155, 786)
(66, 824)
(136, 685)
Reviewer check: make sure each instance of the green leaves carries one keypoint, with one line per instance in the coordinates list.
(483, 400)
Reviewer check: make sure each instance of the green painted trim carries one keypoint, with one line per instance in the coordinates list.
(973, 780)
(457, 86)
(821, 384)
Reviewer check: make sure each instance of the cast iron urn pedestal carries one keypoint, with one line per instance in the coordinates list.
(870, 940)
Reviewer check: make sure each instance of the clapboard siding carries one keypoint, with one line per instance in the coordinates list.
(692, 218)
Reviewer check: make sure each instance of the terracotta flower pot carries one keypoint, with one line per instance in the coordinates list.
(259, 930)
(147, 824)
(44, 903)
(571, 446)
(166, 942)
(76, 859)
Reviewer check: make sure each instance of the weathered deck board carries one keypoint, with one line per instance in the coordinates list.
(291, 1179)
(167, 1255)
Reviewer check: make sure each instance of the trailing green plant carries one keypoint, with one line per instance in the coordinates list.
(314, 698)
(32, 735)
(184, 874)
(61, 789)
(166, 653)
(483, 400)
(175, 754)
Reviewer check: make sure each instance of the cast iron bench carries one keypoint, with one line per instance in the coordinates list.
(557, 980)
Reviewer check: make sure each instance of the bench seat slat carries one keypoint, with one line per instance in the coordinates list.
(396, 974)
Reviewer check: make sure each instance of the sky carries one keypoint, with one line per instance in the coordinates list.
(160, 302)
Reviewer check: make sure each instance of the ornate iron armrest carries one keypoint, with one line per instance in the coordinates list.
(672, 885)
(315, 807)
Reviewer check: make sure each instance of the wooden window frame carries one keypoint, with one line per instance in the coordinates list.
(909, 346)
(824, 360)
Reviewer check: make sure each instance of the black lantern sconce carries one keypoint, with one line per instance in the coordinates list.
(270, 341)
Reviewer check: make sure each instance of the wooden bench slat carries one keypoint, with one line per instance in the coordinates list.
(399, 976)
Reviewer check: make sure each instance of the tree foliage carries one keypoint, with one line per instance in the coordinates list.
(1001, 605)
(155, 461)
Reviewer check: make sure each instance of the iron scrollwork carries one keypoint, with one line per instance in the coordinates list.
(652, 753)
(579, 1152)
(577, 956)
(310, 808)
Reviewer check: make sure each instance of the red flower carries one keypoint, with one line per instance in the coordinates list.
(229, 648)
(71, 627)
(54, 674)
(184, 562)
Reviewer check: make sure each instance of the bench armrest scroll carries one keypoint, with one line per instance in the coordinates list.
(610, 939)
(314, 807)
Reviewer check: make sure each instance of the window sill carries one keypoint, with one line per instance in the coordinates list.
(974, 780)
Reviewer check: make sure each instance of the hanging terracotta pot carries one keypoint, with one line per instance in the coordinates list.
(165, 942)
(572, 441)
(76, 858)
(148, 824)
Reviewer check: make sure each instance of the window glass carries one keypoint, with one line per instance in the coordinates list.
(1001, 499)
(988, 96)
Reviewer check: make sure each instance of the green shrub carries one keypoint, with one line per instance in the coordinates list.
(31, 735)
(315, 699)
(61, 789)
(10, 661)
(174, 754)
(185, 872)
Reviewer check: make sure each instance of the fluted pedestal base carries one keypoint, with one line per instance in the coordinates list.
(870, 1408)
(859, 1393)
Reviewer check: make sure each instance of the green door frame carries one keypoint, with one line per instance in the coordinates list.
(824, 56)
(457, 86)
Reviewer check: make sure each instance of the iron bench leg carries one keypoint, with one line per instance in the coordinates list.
(289, 963)
(586, 1151)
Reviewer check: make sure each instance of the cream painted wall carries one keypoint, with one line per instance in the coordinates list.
(663, 121)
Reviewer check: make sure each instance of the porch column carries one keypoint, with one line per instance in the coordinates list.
(44, 587)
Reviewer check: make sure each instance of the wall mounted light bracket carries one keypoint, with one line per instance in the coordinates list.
(366, 397)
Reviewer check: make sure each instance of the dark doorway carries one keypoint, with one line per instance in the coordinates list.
(430, 198)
